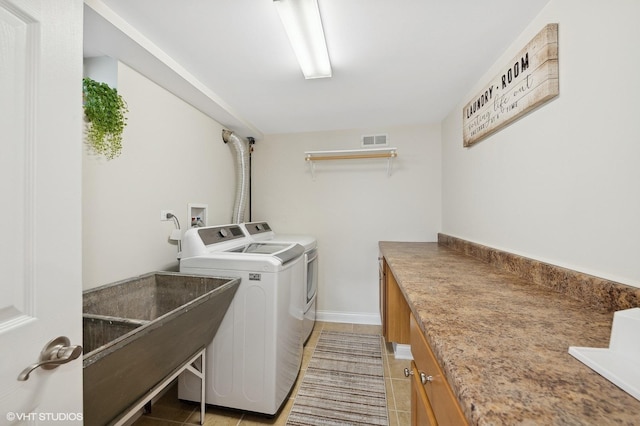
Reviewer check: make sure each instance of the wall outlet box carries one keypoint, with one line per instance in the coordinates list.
(164, 213)
(197, 215)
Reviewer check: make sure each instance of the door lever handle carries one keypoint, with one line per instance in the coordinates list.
(56, 352)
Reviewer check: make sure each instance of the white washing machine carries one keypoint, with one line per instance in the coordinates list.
(261, 231)
(255, 357)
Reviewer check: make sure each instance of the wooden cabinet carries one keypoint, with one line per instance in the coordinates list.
(421, 411)
(432, 400)
(394, 310)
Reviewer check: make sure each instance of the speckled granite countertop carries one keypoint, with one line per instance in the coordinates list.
(503, 342)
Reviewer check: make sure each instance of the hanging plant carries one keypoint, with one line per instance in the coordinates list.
(105, 110)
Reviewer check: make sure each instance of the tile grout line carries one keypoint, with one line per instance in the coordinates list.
(385, 362)
(388, 377)
(393, 390)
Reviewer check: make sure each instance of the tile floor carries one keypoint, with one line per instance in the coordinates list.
(169, 411)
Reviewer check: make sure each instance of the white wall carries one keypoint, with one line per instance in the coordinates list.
(350, 206)
(172, 155)
(561, 184)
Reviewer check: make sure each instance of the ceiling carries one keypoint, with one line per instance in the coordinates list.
(394, 63)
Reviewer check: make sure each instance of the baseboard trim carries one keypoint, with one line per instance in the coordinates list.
(349, 317)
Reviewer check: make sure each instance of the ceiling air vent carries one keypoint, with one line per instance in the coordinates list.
(373, 141)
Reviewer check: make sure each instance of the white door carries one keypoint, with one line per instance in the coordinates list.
(40, 206)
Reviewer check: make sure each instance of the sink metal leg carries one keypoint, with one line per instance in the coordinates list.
(189, 365)
(201, 374)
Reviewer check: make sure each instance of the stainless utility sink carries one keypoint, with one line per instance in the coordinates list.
(137, 331)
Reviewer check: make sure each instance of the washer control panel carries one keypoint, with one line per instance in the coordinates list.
(255, 228)
(217, 234)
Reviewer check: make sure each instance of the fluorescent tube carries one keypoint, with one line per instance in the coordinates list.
(301, 20)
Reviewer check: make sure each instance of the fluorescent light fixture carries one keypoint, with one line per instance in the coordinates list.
(301, 20)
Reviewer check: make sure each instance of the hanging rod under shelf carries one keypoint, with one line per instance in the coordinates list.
(351, 154)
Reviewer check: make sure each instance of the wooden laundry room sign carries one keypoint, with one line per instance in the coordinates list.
(528, 80)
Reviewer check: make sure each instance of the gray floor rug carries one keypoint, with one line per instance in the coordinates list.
(343, 384)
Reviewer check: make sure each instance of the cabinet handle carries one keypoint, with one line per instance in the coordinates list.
(425, 379)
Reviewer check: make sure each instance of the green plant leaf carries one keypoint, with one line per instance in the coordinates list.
(105, 110)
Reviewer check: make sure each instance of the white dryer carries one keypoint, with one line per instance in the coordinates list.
(255, 357)
(261, 231)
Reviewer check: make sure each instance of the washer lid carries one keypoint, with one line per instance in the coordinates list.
(309, 242)
(261, 248)
(283, 251)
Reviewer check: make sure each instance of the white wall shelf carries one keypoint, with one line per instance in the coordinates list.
(351, 154)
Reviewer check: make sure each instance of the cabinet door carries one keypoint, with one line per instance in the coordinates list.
(397, 310)
(383, 294)
(421, 412)
(443, 402)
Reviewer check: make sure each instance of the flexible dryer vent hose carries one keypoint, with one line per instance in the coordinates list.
(240, 149)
